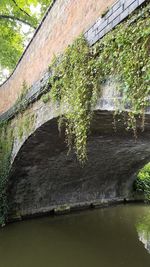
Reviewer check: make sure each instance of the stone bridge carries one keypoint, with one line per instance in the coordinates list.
(43, 177)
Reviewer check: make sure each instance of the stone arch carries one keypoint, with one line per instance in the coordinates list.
(44, 177)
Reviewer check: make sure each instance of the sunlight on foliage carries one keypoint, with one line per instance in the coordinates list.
(18, 20)
(79, 73)
(142, 183)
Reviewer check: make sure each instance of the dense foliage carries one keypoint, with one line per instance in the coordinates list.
(74, 84)
(6, 141)
(13, 37)
(123, 54)
(142, 183)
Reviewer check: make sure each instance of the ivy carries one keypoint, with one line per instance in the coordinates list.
(74, 83)
(6, 142)
(78, 75)
(124, 53)
(22, 102)
(7, 133)
(25, 123)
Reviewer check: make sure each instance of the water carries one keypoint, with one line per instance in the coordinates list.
(111, 237)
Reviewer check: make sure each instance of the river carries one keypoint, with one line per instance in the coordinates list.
(110, 237)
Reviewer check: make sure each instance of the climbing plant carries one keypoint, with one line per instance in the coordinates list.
(124, 53)
(25, 123)
(78, 74)
(74, 84)
(6, 141)
(24, 126)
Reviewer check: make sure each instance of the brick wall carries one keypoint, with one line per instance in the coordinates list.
(64, 22)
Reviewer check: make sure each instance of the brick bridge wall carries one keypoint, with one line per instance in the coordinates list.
(64, 21)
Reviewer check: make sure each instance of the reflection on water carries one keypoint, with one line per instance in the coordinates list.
(97, 238)
(143, 229)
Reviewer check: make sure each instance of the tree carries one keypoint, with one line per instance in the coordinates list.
(18, 21)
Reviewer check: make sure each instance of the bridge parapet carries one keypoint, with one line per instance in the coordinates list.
(64, 21)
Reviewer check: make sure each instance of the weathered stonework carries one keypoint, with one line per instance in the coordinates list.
(44, 177)
(115, 14)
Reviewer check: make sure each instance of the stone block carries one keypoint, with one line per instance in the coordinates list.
(122, 2)
(98, 24)
(109, 13)
(128, 3)
(133, 6)
(102, 26)
(141, 1)
(116, 6)
(124, 14)
(62, 209)
(99, 203)
(89, 34)
(116, 21)
(101, 34)
(93, 40)
(115, 14)
(108, 28)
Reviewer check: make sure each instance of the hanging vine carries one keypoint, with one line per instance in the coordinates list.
(124, 53)
(75, 84)
(6, 142)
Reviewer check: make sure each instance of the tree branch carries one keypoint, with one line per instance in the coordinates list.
(21, 8)
(17, 19)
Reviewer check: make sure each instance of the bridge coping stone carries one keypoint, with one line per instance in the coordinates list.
(116, 14)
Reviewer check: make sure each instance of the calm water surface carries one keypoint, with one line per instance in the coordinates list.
(111, 237)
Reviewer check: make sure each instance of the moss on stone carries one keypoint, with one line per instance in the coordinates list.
(6, 142)
(62, 209)
(25, 124)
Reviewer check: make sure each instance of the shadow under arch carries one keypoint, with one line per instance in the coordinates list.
(43, 176)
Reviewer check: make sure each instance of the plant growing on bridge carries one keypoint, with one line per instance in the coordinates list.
(7, 133)
(25, 125)
(124, 54)
(6, 141)
(74, 84)
(21, 102)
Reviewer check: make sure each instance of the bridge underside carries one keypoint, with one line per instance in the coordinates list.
(43, 176)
